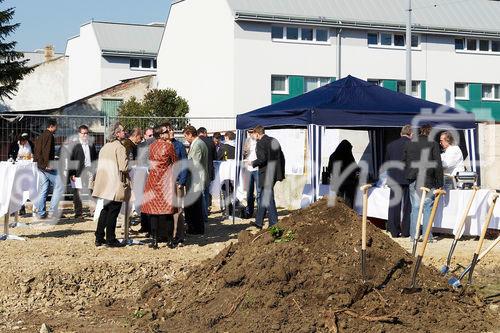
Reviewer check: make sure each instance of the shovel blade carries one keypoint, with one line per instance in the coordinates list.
(454, 282)
(444, 270)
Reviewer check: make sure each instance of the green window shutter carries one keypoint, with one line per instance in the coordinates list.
(484, 110)
(390, 84)
(110, 107)
(423, 90)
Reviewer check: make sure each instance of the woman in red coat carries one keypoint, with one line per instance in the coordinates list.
(160, 186)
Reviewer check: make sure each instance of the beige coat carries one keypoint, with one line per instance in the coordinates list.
(112, 181)
(198, 156)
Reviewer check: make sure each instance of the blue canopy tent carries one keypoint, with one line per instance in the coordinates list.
(352, 103)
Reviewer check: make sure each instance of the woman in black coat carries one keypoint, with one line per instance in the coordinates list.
(343, 155)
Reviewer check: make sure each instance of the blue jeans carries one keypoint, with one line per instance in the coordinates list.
(266, 203)
(47, 178)
(415, 195)
(253, 182)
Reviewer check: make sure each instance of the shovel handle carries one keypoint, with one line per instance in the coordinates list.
(424, 190)
(494, 197)
(438, 194)
(364, 188)
(466, 212)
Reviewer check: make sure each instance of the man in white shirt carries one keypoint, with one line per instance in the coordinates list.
(83, 153)
(250, 155)
(452, 159)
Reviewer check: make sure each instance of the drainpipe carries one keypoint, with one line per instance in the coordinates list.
(339, 72)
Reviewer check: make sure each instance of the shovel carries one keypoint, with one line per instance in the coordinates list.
(494, 198)
(364, 188)
(454, 282)
(425, 190)
(458, 234)
(412, 289)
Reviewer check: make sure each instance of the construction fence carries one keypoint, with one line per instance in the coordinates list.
(13, 125)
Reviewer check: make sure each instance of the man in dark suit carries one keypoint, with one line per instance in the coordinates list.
(271, 163)
(84, 153)
(207, 198)
(396, 177)
(423, 167)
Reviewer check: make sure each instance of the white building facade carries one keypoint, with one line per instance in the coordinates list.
(248, 54)
(105, 53)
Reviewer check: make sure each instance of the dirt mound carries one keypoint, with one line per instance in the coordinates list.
(309, 280)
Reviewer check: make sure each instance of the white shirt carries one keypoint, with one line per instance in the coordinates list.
(86, 152)
(252, 153)
(24, 150)
(453, 160)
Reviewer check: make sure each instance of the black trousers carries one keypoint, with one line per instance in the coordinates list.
(145, 224)
(162, 227)
(107, 221)
(395, 224)
(194, 217)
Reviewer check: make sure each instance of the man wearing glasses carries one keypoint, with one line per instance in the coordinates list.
(82, 154)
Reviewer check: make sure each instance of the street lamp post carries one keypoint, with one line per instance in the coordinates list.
(408, 51)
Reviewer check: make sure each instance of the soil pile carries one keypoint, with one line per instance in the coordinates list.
(309, 280)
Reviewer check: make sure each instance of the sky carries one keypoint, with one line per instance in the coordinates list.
(52, 22)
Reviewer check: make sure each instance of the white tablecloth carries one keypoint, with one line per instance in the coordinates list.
(18, 183)
(449, 213)
(227, 170)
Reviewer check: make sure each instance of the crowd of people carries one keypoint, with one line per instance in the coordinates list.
(177, 198)
(412, 163)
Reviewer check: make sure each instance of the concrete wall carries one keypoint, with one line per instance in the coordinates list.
(44, 88)
(196, 56)
(489, 151)
(84, 75)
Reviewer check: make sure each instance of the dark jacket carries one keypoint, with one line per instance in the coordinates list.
(78, 155)
(211, 156)
(131, 148)
(44, 150)
(268, 150)
(412, 153)
(180, 152)
(343, 154)
(226, 152)
(14, 148)
(394, 152)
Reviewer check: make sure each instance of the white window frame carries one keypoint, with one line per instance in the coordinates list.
(140, 68)
(299, 40)
(497, 98)
(462, 98)
(280, 92)
(318, 81)
(392, 46)
(477, 51)
(378, 82)
(418, 93)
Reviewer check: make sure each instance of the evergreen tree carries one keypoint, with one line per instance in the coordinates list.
(12, 69)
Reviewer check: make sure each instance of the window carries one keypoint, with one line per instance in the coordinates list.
(134, 63)
(491, 91)
(298, 35)
(321, 35)
(372, 39)
(484, 45)
(311, 83)
(324, 81)
(277, 32)
(461, 91)
(155, 63)
(459, 43)
(292, 33)
(307, 34)
(399, 40)
(415, 40)
(495, 46)
(279, 84)
(386, 39)
(375, 82)
(146, 63)
(471, 45)
(415, 88)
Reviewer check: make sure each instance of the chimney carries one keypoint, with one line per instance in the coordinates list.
(49, 52)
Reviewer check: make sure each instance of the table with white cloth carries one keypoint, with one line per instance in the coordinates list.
(449, 213)
(18, 183)
(226, 170)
